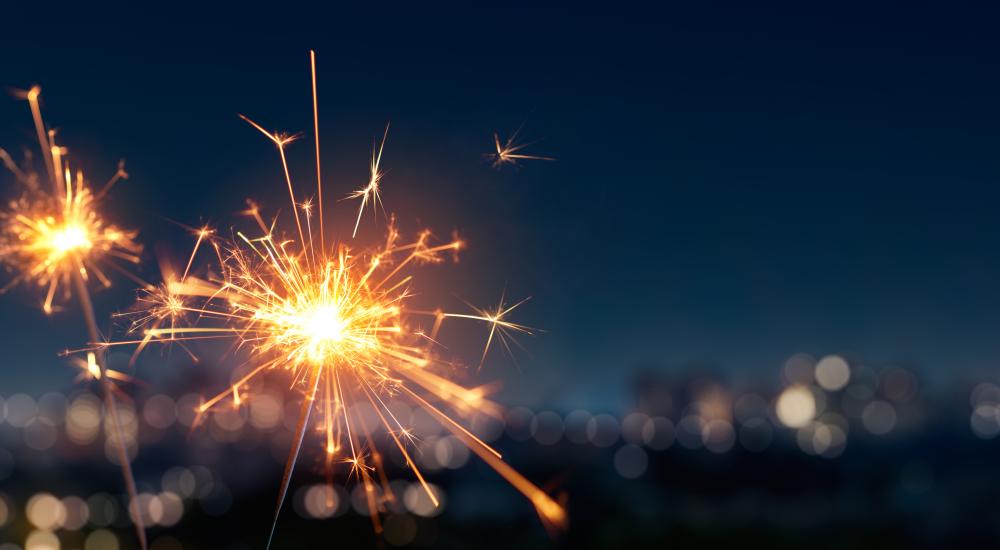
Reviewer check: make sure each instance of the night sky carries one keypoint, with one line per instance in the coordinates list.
(733, 184)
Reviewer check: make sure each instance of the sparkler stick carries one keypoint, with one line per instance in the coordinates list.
(337, 321)
(293, 453)
(83, 295)
(57, 238)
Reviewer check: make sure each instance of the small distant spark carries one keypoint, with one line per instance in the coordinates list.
(371, 190)
(510, 152)
(499, 325)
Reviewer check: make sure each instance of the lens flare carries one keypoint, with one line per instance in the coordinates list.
(339, 323)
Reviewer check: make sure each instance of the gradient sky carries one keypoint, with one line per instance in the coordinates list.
(733, 185)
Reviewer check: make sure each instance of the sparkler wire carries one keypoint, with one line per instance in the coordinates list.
(83, 296)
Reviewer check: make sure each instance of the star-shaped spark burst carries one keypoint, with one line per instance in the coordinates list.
(499, 325)
(371, 190)
(509, 152)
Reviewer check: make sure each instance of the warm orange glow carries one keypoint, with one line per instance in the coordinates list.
(69, 238)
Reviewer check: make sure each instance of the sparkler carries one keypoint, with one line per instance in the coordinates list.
(55, 238)
(339, 323)
(508, 152)
(371, 190)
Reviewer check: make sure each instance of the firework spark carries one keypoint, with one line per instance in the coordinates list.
(338, 322)
(371, 190)
(500, 327)
(54, 238)
(510, 152)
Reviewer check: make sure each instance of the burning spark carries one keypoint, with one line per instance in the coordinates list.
(374, 180)
(508, 152)
(499, 325)
(53, 237)
(338, 322)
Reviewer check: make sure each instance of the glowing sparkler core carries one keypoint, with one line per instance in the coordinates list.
(69, 238)
(324, 324)
(338, 320)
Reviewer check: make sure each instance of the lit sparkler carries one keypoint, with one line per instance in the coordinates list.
(510, 152)
(53, 237)
(339, 323)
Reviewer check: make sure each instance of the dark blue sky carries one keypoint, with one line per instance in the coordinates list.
(733, 184)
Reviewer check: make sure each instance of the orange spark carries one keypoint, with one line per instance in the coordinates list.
(371, 190)
(508, 152)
